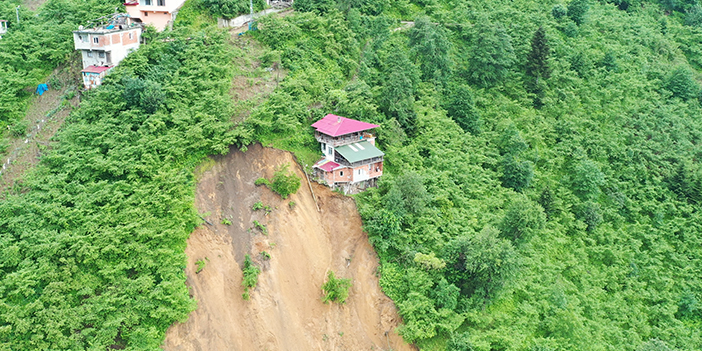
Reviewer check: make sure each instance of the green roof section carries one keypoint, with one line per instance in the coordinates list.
(359, 151)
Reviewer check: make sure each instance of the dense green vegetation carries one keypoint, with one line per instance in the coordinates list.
(92, 242)
(542, 185)
(32, 48)
(542, 180)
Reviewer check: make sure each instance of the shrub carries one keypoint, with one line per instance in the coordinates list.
(257, 206)
(260, 227)
(250, 279)
(292, 205)
(336, 289)
(19, 129)
(201, 265)
(284, 183)
(226, 221)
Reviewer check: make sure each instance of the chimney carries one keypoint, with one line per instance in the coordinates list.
(338, 119)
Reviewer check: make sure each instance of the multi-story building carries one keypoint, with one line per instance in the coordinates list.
(350, 159)
(159, 13)
(104, 46)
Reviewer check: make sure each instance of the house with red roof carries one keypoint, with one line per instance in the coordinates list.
(350, 159)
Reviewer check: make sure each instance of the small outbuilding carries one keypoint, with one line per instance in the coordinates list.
(3, 27)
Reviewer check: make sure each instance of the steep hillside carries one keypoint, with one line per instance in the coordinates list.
(285, 311)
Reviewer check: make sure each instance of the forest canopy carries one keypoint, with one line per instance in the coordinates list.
(541, 188)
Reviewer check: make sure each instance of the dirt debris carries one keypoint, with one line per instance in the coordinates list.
(285, 311)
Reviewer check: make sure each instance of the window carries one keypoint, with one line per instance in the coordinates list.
(96, 40)
(359, 172)
(341, 173)
(330, 150)
(161, 2)
(147, 2)
(370, 167)
(146, 14)
(90, 54)
(131, 35)
(101, 54)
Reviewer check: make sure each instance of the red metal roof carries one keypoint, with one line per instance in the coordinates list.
(334, 125)
(326, 165)
(96, 69)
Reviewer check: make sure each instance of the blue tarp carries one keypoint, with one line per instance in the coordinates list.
(41, 88)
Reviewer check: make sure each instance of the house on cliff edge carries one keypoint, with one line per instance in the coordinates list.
(350, 159)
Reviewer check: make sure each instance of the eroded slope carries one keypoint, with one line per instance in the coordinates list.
(285, 311)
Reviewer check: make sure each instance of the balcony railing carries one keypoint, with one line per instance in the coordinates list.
(342, 140)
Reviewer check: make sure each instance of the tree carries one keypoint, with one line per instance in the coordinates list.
(523, 219)
(587, 179)
(407, 195)
(537, 67)
(682, 84)
(316, 6)
(577, 9)
(459, 342)
(511, 141)
(396, 98)
(431, 47)
(460, 107)
(482, 264)
(491, 54)
(446, 294)
(537, 60)
(516, 174)
(231, 8)
(654, 345)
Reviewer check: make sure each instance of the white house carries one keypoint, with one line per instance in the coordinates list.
(159, 13)
(104, 46)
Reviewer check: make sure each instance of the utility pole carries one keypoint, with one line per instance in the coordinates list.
(17, 13)
(251, 9)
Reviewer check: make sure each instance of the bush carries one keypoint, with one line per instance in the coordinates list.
(336, 289)
(284, 183)
(250, 279)
(19, 129)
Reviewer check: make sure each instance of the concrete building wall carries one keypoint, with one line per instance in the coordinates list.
(110, 48)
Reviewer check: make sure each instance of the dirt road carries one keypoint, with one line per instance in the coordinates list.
(285, 311)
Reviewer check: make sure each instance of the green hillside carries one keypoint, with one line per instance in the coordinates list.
(542, 183)
(543, 178)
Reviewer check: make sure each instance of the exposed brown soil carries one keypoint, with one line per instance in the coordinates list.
(285, 311)
(33, 4)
